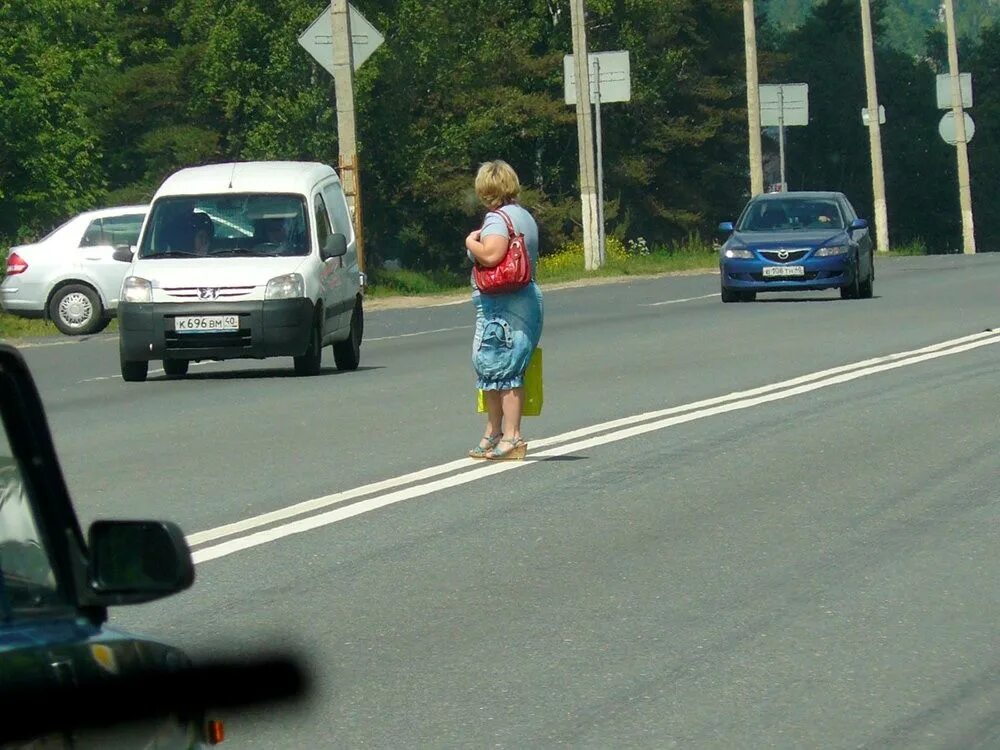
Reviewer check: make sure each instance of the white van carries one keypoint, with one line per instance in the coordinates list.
(244, 260)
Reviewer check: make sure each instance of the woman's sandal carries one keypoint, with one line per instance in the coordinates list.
(518, 450)
(481, 450)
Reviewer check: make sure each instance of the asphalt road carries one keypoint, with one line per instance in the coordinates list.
(749, 525)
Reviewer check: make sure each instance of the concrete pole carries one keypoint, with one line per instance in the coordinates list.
(343, 83)
(753, 100)
(874, 132)
(961, 146)
(585, 135)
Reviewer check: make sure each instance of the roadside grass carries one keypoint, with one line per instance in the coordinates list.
(631, 258)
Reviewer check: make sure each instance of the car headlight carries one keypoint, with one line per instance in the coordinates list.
(136, 289)
(288, 286)
(825, 252)
(737, 252)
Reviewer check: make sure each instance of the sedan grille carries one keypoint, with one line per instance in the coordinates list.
(783, 256)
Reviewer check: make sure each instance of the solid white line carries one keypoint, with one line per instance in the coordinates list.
(418, 333)
(766, 394)
(677, 301)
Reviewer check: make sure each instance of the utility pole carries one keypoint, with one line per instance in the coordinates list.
(874, 132)
(585, 135)
(961, 145)
(753, 100)
(343, 82)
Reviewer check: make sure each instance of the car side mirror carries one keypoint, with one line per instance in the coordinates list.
(123, 253)
(726, 227)
(858, 224)
(137, 561)
(336, 246)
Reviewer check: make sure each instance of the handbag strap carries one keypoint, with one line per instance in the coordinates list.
(510, 226)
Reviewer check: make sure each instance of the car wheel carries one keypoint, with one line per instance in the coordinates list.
(748, 296)
(76, 310)
(134, 371)
(867, 287)
(310, 362)
(347, 353)
(176, 368)
(853, 290)
(730, 295)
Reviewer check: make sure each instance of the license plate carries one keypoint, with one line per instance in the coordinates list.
(781, 271)
(206, 323)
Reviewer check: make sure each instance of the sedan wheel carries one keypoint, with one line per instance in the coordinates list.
(76, 310)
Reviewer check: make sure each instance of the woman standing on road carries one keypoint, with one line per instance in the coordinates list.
(508, 326)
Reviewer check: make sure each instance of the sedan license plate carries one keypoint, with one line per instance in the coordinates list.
(783, 271)
(206, 323)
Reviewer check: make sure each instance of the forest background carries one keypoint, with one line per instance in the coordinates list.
(101, 100)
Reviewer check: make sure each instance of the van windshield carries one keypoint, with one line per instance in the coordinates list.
(226, 225)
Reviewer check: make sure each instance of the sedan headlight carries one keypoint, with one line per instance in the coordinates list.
(738, 252)
(825, 252)
(136, 289)
(288, 286)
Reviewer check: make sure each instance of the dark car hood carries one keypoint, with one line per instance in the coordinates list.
(790, 238)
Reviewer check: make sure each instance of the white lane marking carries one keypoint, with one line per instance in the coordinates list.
(677, 301)
(632, 427)
(418, 333)
(151, 372)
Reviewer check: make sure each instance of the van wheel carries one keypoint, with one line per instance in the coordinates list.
(76, 310)
(347, 353)
(310, 362)
(176, 368)
(134, 371)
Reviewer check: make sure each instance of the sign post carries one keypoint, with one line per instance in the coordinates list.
(611, 81)
(340, 39)
(784, 105)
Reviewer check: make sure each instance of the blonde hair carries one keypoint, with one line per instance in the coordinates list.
(497, 183)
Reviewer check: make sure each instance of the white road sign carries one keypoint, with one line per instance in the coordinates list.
(784, 104)
(947, 128)
(616, 77)
(944, 90)
(318, 38)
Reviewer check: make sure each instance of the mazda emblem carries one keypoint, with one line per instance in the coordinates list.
(782, 255)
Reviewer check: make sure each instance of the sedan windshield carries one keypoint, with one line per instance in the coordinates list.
(226, 225)
(790, 214)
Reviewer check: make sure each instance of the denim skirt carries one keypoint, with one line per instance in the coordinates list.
(508, 328)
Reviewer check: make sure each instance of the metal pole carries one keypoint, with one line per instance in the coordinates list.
(343, 82)
(585, 134)
(961, 145)
(781, 133)
(753, 100)
(600, 165)
(874, 132)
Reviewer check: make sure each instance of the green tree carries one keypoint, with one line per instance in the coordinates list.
(50, 158)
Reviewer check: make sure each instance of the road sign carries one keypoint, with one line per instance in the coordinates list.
(318, 38)
(865, 118)
(944, 90)
(615, 75)
(947, 128)
(784, 104)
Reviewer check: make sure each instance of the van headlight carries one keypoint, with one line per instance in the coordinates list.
(289, 286)
(136, 289)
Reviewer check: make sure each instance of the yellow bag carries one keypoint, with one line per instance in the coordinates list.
(532, 388)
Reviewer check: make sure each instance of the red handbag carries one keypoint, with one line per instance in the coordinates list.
(511, 273)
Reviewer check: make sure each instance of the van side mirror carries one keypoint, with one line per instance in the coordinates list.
(336, 246)
(123, 253)
(137, 561)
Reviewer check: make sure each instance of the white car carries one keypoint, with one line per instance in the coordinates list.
(243, 261)
(70, 276)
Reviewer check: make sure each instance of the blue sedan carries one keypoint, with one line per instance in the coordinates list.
(789, 242)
